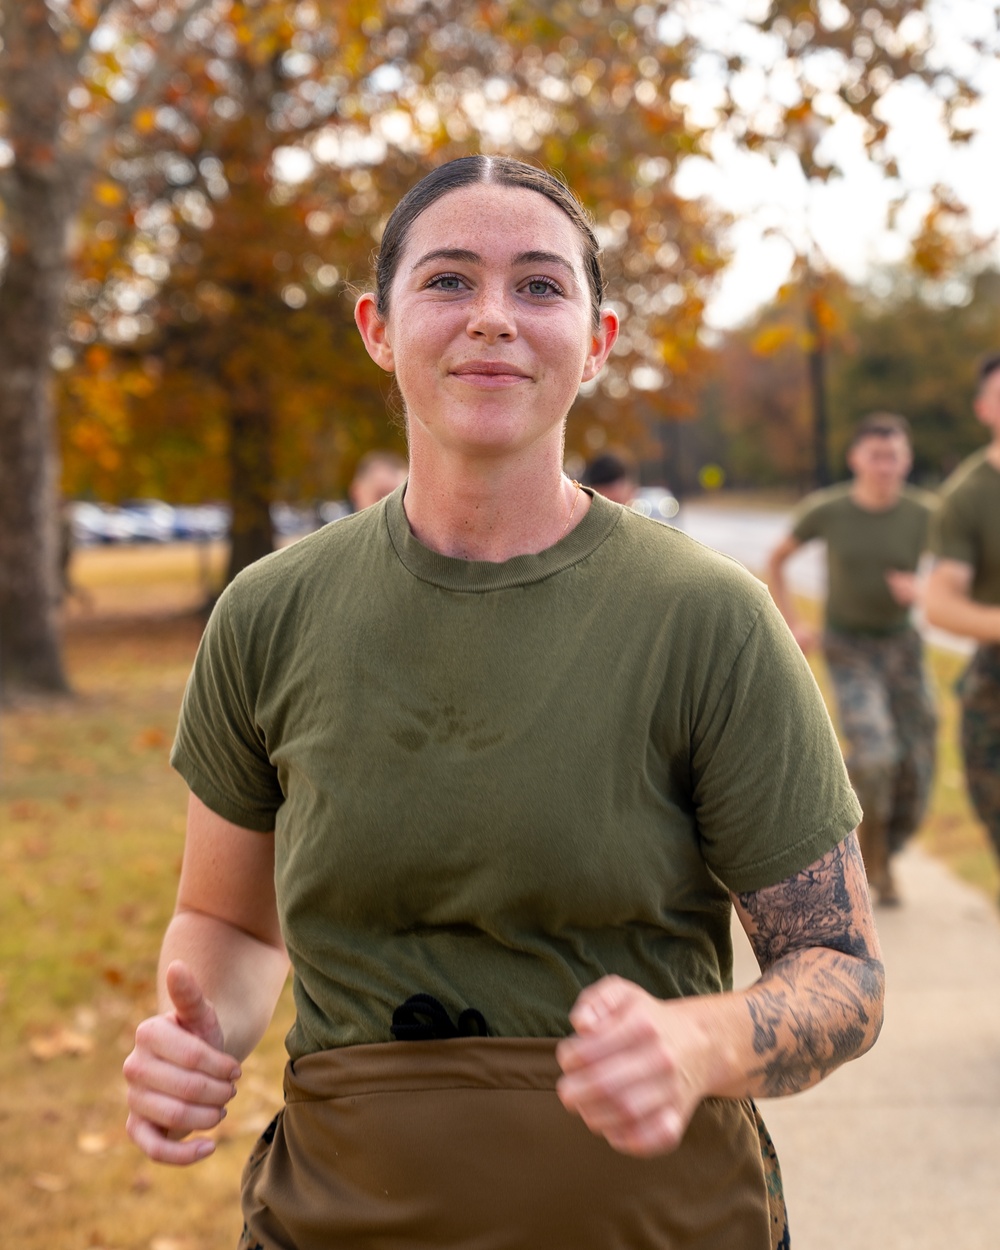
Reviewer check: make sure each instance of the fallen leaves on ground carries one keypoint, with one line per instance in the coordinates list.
(49, 1182)
(59, 1043)
(94, 1143)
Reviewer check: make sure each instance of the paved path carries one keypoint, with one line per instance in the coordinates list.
(900, 1150)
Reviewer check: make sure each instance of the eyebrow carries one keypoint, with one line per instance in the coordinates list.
(462, 255)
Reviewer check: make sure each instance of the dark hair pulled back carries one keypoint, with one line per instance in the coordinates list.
(987, 366)
(466, 171)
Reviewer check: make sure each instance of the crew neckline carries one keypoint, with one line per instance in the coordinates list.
(472, 576)
(875, 512)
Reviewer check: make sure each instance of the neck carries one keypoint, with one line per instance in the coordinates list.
(491, 509)
(993, 454)
(874, 496)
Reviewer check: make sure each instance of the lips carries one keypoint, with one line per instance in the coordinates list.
(488, 369)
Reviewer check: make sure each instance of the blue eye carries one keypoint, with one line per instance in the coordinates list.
(542, 286)
(446, 282)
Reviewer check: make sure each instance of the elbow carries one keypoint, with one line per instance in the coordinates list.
(872, 1008)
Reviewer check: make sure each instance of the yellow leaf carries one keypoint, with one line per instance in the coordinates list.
(772, 339)
(109, 194)
(145, 121)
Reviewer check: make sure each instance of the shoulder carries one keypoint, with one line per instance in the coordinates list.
(679, 572)
(917, 500)
(970, 475)
(822, 504)
(313, 563)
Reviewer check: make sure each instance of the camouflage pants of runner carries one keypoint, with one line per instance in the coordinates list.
(979, 690)
(889, 722)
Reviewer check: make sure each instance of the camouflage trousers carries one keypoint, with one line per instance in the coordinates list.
(889, 722)
(979, 690)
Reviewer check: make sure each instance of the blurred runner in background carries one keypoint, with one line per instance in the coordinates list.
(377, 475)
(963, 596)
(614, 475)
(875, 528)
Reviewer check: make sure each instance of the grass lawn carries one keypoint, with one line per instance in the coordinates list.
(92, 827)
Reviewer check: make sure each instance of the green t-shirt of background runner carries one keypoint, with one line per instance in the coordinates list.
(496, 783)
(967, 524)
(861, 547)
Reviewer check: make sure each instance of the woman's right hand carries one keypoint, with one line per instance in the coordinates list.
(179, 1077)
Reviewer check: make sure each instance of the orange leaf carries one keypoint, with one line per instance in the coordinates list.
(59, 1043)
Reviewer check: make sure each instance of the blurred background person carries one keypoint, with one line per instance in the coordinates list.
(615, 475)
(963, 596)
(377, 475)
(875, 528)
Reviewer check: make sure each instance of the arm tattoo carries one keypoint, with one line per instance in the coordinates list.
(819, 1000)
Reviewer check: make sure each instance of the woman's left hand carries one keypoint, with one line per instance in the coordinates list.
(637, 1067)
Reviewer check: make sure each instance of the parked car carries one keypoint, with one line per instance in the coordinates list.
(333, 510)
(93, 523)
(152, 520)
(656, 502)
(201, 522)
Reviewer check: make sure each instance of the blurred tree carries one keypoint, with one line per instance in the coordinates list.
(911, 349)
(915, 352)
(833, 60)
(62, 100)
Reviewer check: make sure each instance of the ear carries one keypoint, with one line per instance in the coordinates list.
(374, 332)
(600, 345)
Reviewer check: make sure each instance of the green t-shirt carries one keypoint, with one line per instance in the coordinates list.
(967, 524)
(495, 783)
(861, 547)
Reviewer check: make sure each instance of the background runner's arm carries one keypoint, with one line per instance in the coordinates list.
(803, 634)
(949, 605)
(638, 1067)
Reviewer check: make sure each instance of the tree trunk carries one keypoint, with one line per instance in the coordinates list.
(38, 199)
(816, 365)
(251, 477)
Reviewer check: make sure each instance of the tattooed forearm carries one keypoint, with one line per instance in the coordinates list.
(819, 1000)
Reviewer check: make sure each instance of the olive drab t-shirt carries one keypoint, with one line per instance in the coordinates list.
(967, 524)
(496, 783)
(861, 547)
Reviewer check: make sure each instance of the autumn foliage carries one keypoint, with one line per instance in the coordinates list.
(192, 186)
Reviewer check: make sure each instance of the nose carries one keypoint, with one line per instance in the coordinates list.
(491, 317)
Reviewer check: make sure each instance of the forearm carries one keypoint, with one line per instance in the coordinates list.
(240, 975)
(809, 1013)
(960, 615)
(779, 592)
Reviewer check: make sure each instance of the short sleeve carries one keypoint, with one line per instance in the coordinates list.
(770, 788)
(220, 749)
(807, 520)
(953, 533)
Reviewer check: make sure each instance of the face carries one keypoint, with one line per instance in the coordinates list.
(380, 480)
(490, 330)
(987, 403)
(881, 460)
